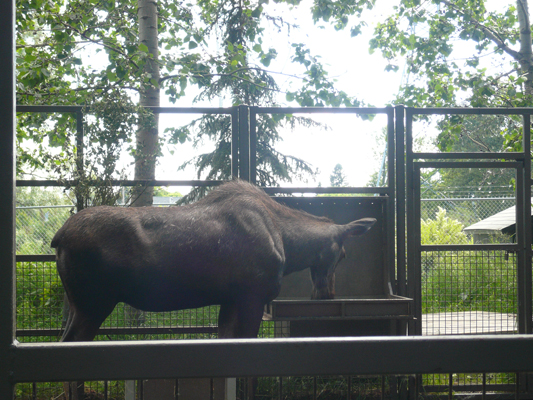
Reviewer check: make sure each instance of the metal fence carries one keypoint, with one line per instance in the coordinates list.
(465, 287)
(463, 293)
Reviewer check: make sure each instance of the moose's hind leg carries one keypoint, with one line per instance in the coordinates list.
(81, 327)
(240, 319)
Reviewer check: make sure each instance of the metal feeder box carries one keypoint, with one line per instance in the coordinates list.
(365, 304)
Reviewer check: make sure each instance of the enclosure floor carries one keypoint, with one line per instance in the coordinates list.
(467, 322)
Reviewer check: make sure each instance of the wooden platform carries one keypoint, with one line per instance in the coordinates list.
(468, 323)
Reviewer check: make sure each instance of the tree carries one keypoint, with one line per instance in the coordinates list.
(337, 177)
(476, 134)
(432, 35)
(216, 47)
(460, 53)
(147, 136)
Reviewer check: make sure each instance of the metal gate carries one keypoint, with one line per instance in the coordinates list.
(477, 260)
(403, 193)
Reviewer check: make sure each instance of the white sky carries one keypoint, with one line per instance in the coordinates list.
(351, 142)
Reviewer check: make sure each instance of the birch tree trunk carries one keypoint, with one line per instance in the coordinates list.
(147, 138)
(526, 54)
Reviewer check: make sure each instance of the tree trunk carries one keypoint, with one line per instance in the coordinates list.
(526, 54)
(147, 138)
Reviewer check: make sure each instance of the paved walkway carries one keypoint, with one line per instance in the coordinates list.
(468, 322)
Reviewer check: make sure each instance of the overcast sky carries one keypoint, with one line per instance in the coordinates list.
(350, 142)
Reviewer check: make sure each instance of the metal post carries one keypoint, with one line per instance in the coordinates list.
(253, 144)
(519, 209)
(391, 206)
(400, 200)
(415, 264)
(528, 280)
(411, 245)
(7, 200)
(527, 380)
(244, 143)
(80, 201)
(234, 143)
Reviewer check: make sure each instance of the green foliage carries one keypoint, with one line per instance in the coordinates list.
(431, 34)
(163, 192)
(36, 226)
(337, 177)
(39, 296)
(454, 281)
(442, 230)
(469, 281)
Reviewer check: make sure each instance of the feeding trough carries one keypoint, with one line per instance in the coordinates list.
(365, 303)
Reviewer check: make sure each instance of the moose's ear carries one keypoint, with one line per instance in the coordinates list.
(358, 227)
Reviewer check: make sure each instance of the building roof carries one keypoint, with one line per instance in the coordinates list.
(503, 222)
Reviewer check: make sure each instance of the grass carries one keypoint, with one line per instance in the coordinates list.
(469, 281)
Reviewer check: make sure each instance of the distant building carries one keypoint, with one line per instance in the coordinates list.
(486, 230)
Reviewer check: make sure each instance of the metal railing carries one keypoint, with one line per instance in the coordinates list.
(289, 357)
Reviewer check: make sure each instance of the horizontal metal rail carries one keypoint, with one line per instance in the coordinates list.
(467, 164)
(469, 156)
(155, 110)
(467, 199)
(174, 330)
(116, 182)
(470, 247)
(270, 357)
(324, 190)
(322, 110)
(469, 111)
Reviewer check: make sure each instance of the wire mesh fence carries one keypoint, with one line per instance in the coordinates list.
(464, 292)
(467, 292)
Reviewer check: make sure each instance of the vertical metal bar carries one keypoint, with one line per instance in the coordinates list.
(253, 145)
(528, 279)
(519, 216)
(414, 244)
(400, 200)
(349, 397)
(234, 143)
(517, 387)
(280, 388)
(484, 387)
(314, 388)
(450, 387)
(410, 208)
(7, 200)
(391, 204)
(80, 159)
(244, 143)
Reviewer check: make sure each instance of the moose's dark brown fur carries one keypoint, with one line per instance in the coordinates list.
(231, 248)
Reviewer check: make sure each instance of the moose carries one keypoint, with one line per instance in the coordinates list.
(230, 248)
